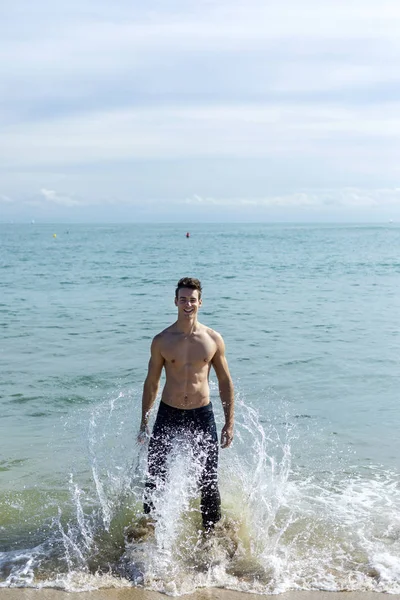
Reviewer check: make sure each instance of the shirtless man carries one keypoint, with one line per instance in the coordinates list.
(187, 350)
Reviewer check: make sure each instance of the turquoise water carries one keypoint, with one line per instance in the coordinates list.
(310, 488)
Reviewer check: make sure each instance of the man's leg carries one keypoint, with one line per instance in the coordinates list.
(210, 497)
(159, 448)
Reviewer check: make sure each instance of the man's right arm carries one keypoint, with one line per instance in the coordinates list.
(151, 384)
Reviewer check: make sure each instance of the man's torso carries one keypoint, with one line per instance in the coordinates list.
(187, 362)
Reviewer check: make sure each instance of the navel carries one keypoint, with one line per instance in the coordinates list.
(173, 360)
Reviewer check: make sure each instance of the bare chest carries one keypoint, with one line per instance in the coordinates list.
(189, 351)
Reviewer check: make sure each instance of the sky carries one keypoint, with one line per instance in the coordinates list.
(183, 111)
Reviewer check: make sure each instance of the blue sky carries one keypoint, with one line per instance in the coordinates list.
(236, 110)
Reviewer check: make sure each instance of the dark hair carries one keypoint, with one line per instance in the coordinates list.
(188, 282)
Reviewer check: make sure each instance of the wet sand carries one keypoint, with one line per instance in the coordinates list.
(206, 594)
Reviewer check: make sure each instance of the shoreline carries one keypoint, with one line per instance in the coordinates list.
(203, 594)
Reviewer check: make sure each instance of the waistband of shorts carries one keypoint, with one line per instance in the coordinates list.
(190, 412)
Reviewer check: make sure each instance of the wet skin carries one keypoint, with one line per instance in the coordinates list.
(187, 350)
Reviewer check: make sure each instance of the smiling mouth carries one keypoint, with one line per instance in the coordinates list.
(189, 311)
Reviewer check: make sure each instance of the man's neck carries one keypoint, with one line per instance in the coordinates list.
(187, 327)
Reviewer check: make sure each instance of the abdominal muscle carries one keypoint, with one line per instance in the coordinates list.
(186, 387)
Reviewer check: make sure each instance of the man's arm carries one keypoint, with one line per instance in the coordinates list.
(226, 391)
(150, 387)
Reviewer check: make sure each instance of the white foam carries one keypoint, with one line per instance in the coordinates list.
(284, 527)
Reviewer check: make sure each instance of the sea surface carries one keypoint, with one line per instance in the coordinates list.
(311, 486)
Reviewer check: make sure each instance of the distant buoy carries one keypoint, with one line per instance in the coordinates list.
(187, 234)
(54, 235)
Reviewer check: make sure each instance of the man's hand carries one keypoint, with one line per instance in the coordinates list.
(143, 435)
(226, 436)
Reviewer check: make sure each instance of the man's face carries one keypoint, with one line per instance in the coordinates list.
(188, 303)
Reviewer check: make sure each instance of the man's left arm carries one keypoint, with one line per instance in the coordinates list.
(226, 391)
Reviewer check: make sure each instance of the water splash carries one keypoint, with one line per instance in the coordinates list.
(287, 523)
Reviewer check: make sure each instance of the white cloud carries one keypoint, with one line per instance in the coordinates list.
(298, 46)
(56, 198)
(6, 199)
(347, 198)
(337, 204)
(241, 131)
(305, 87)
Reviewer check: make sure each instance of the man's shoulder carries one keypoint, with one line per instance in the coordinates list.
(214, 335)
(164, 334)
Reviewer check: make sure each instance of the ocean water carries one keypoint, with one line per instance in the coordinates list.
(310, 488)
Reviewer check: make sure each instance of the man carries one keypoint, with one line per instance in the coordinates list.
(187, 350)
